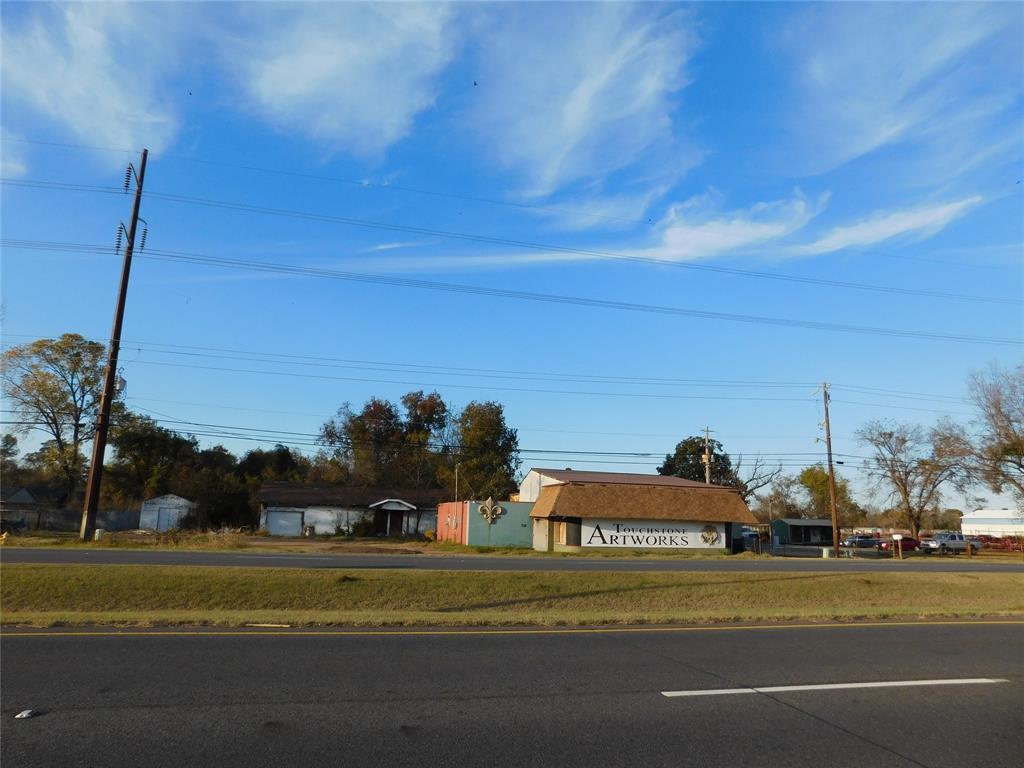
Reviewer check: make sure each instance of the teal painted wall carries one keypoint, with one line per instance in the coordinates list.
(511, 529)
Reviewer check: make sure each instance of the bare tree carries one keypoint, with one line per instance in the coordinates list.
(759, 476)
(783, 499)
(913, 464)
(999, 453)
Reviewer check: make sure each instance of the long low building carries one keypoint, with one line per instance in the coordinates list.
(574, 510)
(288, 509)
(993, 522)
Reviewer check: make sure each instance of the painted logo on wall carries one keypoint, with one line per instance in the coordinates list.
(709, 535)
(651, 534)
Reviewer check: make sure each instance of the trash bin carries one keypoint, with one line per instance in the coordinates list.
(827, 552)
(98, 534)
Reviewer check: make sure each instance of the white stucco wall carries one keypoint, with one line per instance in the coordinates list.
(529, 489)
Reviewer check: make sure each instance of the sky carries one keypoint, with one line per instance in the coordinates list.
(624, 222)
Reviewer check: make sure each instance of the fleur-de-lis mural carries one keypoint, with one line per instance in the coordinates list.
(490, 510)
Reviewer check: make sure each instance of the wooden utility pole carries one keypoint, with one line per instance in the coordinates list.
(707, 455)
(99, 441)
(831, 475)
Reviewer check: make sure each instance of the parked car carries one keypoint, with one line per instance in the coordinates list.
(949, 542)
(907, 543)
(859, 541)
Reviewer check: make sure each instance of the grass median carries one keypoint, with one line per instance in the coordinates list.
(125, 595)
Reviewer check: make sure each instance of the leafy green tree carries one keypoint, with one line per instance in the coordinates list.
(10, 472)
(369, 442)
(148, 461)
(786, 498)
(815, 480)
(279, 463)
(687, 462)
(54, 385)
(425, 439)
(486, 450)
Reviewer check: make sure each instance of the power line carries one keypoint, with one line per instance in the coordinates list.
(293, 359)
(436, 193)
(289, 269)
(260, 357)
(514, 243)
(298, 374)
(359, 183)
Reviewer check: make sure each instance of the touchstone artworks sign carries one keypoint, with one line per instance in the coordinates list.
(652, 534)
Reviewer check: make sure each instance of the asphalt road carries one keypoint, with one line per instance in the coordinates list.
(573, 698)
(484, 563)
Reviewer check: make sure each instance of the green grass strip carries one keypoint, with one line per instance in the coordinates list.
(49, 595)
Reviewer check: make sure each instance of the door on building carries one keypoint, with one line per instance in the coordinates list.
(284, 523)
(163, 518)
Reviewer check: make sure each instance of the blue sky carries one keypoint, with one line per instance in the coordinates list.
(632, 147)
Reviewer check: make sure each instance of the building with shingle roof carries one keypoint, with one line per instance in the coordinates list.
(623, 510)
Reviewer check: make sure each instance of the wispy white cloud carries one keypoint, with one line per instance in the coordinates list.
(935, 79)
(13, 164)
(85, 67)
(576, 93)
(394, 246)
(918, 223)
(697, 229)
(693, 230)
(352, 76)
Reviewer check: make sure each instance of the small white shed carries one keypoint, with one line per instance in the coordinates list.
(164, 512)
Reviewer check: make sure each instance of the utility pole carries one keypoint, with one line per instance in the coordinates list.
(831, 474)
(99, 442)
(706, 458)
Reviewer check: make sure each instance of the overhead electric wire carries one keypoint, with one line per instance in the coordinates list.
(298, 374)
(289, 269)
(425, 368)
(511, 242)
(268, 358)
(360, 183)
(432, 193)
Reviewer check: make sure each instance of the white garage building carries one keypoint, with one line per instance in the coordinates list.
(287, 509)
(993, 522)
(164, 513)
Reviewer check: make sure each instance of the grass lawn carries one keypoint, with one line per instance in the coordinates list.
(188, 540)
(50, 595)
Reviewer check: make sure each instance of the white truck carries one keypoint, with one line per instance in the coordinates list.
(949, 542)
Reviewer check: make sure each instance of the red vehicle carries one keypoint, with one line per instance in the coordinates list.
(908, 544)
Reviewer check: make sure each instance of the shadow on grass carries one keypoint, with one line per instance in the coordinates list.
(625, 590)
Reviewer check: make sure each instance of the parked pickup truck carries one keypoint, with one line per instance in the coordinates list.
(949, 542)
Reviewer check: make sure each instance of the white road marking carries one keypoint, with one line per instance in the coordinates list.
(836, 686)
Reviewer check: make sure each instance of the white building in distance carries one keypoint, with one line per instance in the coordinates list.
(993, 522)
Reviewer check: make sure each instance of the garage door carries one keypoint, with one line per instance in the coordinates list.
(284, 523)
(163, 518)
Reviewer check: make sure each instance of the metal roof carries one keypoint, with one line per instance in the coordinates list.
(282, 494)
(574, 476)
(815, 522)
